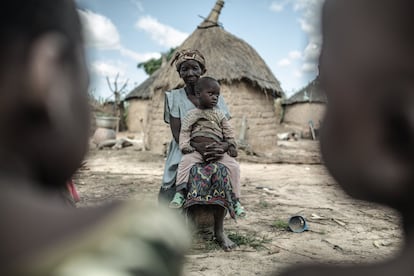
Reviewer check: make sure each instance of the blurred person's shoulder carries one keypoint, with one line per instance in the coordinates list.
(106, 240)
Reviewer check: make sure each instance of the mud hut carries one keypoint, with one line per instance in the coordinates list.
(308, 104)
(139, 102)
(247, 85)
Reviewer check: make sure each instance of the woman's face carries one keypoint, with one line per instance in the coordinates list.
(190, 71)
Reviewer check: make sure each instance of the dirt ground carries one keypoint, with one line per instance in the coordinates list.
(341, 230)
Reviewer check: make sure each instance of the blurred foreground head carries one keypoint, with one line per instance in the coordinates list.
(44, 126)
(367, 71)
(43, 84)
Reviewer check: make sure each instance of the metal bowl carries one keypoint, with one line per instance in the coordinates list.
(297, 224)
(106, 122)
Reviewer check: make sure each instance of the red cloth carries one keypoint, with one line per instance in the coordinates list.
(72, 189)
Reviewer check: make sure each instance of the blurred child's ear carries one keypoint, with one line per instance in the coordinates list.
(45, 74)
(44, 59)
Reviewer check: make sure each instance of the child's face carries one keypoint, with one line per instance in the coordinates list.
(43, 93)
(68, 137)
(49, 130)
(209, 94)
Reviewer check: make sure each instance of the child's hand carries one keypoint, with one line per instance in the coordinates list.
(232, 151)
(187, 150)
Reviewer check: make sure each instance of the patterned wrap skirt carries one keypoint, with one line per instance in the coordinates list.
(209, 184)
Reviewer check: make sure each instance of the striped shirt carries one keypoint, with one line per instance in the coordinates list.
(210, 123)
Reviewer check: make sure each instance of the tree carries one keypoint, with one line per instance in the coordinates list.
(118, 102)
(153, 64)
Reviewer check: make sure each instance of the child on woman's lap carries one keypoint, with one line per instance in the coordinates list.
(206, 125)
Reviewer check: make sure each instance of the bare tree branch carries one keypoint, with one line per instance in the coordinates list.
(118, 104)
(124, 86)
(114, 88)
(116, 82)
(109, 84)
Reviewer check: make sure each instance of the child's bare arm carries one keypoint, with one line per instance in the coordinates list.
(232, 151)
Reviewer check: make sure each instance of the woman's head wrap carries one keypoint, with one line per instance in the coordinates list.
(188, 54)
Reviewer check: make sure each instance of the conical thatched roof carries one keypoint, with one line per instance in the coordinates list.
(228, 58)
(310, 93)
(145, 89)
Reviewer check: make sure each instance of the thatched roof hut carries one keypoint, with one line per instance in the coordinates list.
(247, 85)
(139, 102)
(144, 90)
(311, 93)
(308, 104)
(228, 58)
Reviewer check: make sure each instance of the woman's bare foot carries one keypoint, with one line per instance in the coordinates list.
(224, 241)
(221, 238)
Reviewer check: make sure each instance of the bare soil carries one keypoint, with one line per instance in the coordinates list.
(341, 230)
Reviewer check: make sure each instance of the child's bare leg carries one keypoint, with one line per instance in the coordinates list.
(223, 240)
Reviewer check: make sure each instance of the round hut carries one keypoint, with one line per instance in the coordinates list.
(139, 103)
(308, 104)
(247, 85)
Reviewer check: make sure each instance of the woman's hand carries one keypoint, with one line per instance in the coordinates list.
(211, 152)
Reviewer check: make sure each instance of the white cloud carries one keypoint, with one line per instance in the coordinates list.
(137, 56)
(164, 35)
(311, 52)
(99, 31)
(284, 62)
(295, 54)
(310, 24)
(292, 55)
(303, 65)
(306, 26)
(309, 20)
(309, 67)
(107, 69)
(277, 7)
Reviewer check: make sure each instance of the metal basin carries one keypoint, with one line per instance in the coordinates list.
(106, 122)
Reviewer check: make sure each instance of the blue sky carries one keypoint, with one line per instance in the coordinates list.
(122, 33)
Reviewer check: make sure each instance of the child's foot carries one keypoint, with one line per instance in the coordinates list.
(177, 201)
(239, 210)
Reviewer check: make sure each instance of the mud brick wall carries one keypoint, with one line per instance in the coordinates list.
(299, 114)
(242, 100)
(137, 119)
(158, 132)
(258, 109)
